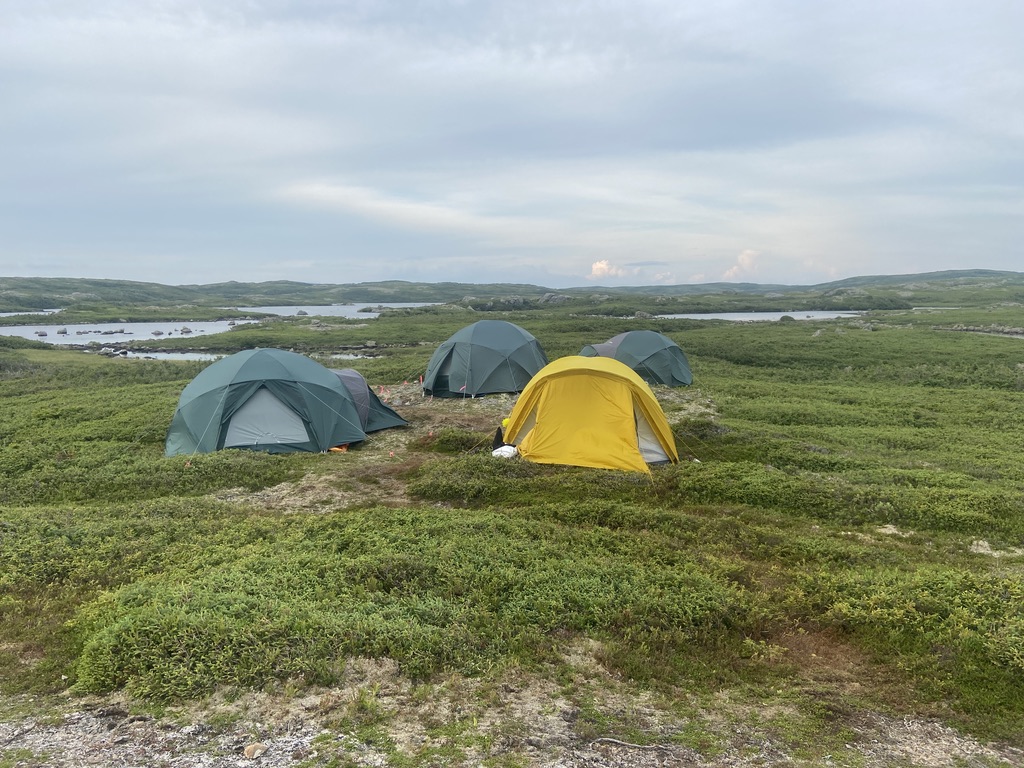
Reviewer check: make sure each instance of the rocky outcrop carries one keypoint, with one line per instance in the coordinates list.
(1001, 330)
(554, 298)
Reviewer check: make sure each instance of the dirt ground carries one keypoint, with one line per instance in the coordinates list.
(522, 721)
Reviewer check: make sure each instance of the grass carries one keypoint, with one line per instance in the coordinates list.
(836, 478)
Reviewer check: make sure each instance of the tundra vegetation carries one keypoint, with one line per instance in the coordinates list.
(844, 535)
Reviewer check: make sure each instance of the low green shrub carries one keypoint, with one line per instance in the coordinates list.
(451, 440)
(971, 510)
(434, 589)
(958, 633)
(111, 471)
(947, 605)
(483, 479)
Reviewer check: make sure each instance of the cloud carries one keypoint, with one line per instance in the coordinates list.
(389, 139)
(745, 266)
(603, 269)
(410, 214)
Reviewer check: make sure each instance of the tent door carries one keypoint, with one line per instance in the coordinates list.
(264, 420)
(648, 443)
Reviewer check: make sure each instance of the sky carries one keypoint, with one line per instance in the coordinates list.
(614, 142)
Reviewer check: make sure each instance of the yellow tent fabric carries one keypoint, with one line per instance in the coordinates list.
(589, 412)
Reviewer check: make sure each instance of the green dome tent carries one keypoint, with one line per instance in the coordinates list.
(484, 358)
(656, 358)
(265, 400)
(373, 414)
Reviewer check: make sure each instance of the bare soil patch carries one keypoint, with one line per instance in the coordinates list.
(378, 718)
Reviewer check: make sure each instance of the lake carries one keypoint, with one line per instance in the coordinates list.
(110, 333)
(146, 355)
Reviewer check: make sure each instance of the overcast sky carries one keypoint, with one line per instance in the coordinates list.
(623, 142)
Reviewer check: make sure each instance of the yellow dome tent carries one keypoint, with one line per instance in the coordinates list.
(590, 412)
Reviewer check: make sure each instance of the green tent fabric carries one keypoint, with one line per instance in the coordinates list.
(373, 414)
(267, 400)
(656, 358)
(484, 358)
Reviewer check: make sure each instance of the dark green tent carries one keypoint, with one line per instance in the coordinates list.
(656, 358)
(265, 400)
(484, 358)
(373, 414)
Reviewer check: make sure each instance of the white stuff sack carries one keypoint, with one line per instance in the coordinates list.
(505, 452)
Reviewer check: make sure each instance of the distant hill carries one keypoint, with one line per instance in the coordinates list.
(949, 278)
(37, 293)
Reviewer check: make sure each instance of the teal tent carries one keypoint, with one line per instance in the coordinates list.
(265, 400)
(656, 358)
(373, 414)
(484, 358)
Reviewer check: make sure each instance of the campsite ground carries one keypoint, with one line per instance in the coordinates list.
(823, 516)
(576, 714)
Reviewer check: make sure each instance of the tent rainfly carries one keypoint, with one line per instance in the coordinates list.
(266, 400)
(655, 357)
(373, 414)
(590, 412)
(484, 358)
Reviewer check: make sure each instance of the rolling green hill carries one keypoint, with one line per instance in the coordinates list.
(966, 287)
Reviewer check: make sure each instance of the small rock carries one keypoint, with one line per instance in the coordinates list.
(252, 751)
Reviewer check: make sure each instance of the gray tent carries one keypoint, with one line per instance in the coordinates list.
(373, 414)
(656, 358)
(267, 400)
(484, 358)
